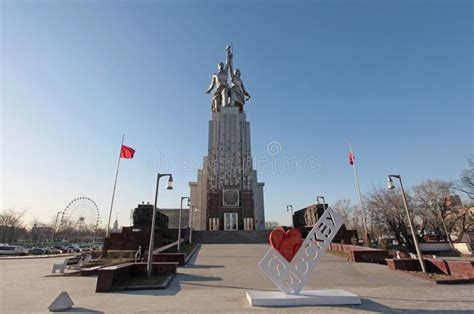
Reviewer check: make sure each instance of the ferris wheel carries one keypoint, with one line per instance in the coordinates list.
(81, 214)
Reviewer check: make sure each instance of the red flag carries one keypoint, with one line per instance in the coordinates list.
(126, 152)
(351, 159)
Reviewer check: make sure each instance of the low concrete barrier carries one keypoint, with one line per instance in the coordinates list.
(436, 266)
(407, 264)
(361, 254)
(369, 256)
(461, 268)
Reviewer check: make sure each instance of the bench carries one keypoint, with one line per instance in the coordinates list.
(68, 261)
(74, 262)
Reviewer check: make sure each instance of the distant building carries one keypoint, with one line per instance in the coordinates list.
(453, 201)
(304, 220)
(173, 215)
(130, 238)
(116, 228)
(142, 217)
(309, 215)
(465, 243)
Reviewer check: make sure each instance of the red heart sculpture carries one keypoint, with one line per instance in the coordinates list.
(287, 243)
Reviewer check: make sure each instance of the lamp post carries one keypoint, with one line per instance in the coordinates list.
(55, 225)
(289, 209)
(324, 201)
(193, 210)
(444, 226)
(152, 231)
(179, 220)
(391, 186)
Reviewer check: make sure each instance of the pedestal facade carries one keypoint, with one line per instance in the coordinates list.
(227, 194)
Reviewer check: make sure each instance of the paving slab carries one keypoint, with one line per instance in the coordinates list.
(217, 279)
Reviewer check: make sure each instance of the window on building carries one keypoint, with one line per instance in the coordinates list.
(248, 223)
(213, 224)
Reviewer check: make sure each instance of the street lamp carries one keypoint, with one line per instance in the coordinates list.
(152, 231)
(322, 198)
(55, 225)
(391, 186)
(289, 209)
(193, 210)
(179, 219)
(444, 225)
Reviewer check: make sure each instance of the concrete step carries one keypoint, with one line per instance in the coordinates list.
(231, 237)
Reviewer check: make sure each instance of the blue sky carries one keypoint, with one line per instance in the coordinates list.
(394, 76)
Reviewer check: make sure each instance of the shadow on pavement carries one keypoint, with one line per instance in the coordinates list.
(226, 286)
(232, 256)
(374, 307)
(421, 300)
(190, 277)
(82, 310)
(371, 306)
(173, 289)
(205, 266)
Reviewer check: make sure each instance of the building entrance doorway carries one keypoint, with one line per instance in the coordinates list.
(231, 221)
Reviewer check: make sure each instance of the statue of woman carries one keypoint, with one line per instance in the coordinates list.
(238, 93)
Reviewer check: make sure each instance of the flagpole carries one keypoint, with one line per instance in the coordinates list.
(366, 238)
(113, 192)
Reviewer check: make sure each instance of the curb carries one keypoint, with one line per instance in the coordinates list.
(191, 254)
(37, 256)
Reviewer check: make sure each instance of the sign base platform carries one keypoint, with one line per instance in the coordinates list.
(305, 297)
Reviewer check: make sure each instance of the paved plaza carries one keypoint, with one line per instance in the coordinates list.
(216, 281)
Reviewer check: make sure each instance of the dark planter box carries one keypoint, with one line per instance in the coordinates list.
(113, 277)
(170, 257)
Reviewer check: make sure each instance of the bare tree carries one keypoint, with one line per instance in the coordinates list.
(431, 201)
(349, 211)
(41, 233)
(11, 225)
(386, 209)
(464, 218)
(271, 224)
(466, 183)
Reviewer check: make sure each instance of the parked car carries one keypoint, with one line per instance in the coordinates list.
(12, 250)
(65, 248)
(74, 248)
(53, 250)
(96, 247)
(37, 251)
(62, 248)
(85, 248)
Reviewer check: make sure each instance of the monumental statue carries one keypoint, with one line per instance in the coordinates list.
(227, 192)
(236, 95)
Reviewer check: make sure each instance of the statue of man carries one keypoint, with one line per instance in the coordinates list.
(219, 83)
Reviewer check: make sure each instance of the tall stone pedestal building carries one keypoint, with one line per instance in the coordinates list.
(227, 195)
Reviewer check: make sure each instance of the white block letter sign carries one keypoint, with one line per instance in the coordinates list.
(290, 276)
